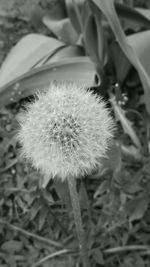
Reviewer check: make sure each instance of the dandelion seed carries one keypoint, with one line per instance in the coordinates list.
(66, 130)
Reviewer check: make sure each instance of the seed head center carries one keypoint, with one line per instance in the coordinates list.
(65, 132)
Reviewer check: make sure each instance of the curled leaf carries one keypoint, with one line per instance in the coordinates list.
(63, 29)
(77, 69)
(25, 54)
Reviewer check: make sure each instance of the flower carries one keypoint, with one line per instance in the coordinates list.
(66, 130)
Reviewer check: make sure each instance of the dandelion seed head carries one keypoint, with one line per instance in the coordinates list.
(66, 130)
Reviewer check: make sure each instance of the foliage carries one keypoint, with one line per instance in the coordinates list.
(105, 46)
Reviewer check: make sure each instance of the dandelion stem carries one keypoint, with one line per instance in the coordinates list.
(78, 221)
(85, 196)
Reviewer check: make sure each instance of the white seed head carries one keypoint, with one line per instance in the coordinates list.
(66, 130)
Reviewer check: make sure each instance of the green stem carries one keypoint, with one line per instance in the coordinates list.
(85, 196)
(78, 221)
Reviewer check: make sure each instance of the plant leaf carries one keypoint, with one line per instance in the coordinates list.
(78, 69)
(90, 36)
(98, 256)
(140, 42)
(94, 34)
(74, 9)
(23, 56)
(121, 63)
(107, 7)
(64, 52)
(112, 162)
(12, 246)
(131, 151)
(145, 12)
(35, 209)
(63, 29)
(133, 17)
(101, 40)
(42, 217)
(136, 207)
(142, 49)
(126, 124)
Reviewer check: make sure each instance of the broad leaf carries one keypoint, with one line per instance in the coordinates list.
(64, 52)
(23, 56)
(78, 69)
(142, 49)
(100, 38)
(144, 12)
(133, 17)
(93, 35)
(90, 37)
(140, 42)
(63, 29)
(121, 63)
(107, 7)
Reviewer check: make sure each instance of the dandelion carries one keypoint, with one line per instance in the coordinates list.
(65, 131)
